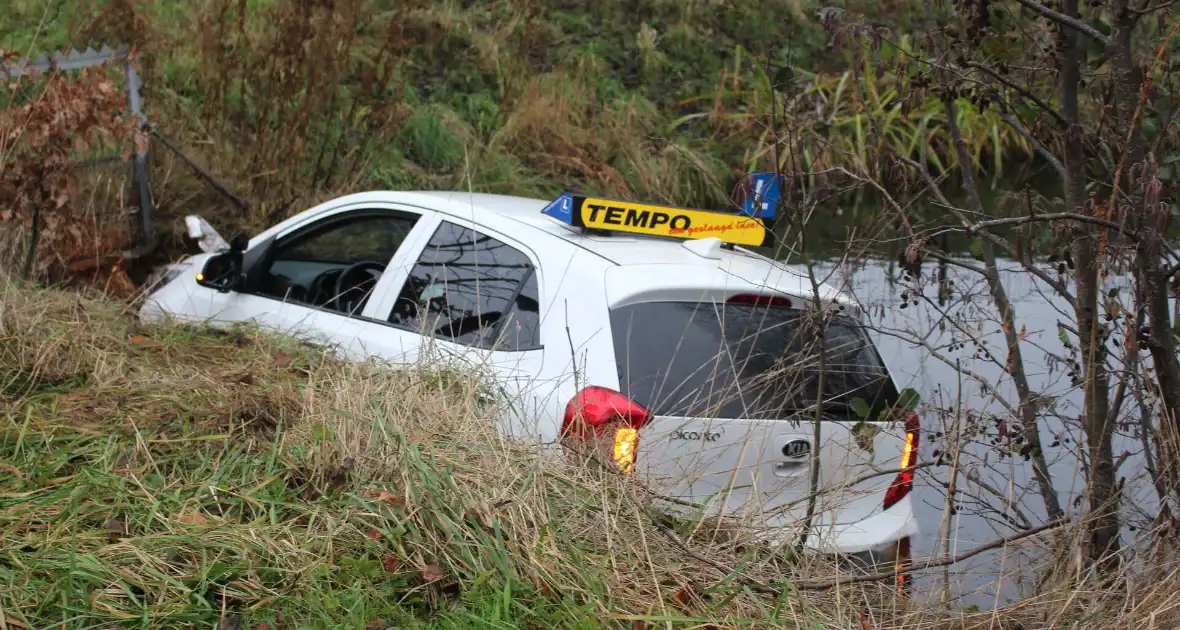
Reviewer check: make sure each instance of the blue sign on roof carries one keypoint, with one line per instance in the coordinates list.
(763, 199)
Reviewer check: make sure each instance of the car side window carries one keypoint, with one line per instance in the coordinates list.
(335, 264)
(472, 289)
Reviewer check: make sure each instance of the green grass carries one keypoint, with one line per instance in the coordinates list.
(171, 477)
(658, 100)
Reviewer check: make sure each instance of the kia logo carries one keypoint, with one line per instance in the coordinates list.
(796, 449)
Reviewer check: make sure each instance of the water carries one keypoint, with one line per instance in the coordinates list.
(997, 576)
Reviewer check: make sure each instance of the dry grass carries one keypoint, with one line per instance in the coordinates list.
(180, 477)
(244, 450)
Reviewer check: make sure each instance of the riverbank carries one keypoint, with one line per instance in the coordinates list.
(170, 477)
(665, 102)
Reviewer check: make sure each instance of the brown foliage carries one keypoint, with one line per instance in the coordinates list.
(287, 84)
(69, 115)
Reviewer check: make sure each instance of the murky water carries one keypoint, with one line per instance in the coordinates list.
(905, 337)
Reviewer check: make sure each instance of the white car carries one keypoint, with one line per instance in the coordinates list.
(645, 326)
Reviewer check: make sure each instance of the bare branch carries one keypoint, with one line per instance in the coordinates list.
(1045, 153)
(1055, 216)
(929, 562)
(961, 215)
(1009, 503)
(991, 388)
(1067, 21)
(979, 226)
(1023, 92)
(957, 263)
(851, 483)
(1152, 9)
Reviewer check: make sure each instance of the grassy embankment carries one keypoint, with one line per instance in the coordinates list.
(655, 100)
(164, 477)
(170, 478)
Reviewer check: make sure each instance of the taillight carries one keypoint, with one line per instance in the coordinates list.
(606, 414)
(904, 482)
(763, 300)
(904, 579)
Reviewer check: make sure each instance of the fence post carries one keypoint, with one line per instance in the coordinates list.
(147, 228)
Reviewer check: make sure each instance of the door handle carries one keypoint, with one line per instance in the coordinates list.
(791, 468)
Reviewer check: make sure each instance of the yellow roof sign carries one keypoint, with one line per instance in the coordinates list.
(625, 216)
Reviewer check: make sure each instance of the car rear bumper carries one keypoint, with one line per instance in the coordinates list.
(869, 536)
(873, 537)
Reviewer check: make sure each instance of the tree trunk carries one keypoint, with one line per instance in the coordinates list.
(1015, 366)
(1127, 79)
(1102, 535)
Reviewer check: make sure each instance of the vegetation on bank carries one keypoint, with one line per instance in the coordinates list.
(179, 478)
(290, 102)
(287, 102)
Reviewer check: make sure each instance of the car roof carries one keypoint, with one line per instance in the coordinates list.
(621, 248)
(506, 211)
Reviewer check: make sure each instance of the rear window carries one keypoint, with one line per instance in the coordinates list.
(743, 361)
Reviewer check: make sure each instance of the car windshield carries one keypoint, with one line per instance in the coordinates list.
(743, 361)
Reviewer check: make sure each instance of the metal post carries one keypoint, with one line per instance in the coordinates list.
(147, 229)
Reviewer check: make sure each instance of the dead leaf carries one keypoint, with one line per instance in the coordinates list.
(373, 534)
(865, 624)
(144, 342)
(193, 518)
(683, 595)
(60, 480)
(261, 626)
(431, 573)
(1023, 333)
(391, 563)
(386, 496)
(638, 624)
(283, 358)
(116, 528)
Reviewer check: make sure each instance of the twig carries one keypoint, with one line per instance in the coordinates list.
(205, 175)
(1023, 92)
(1152, 9)
(928, 562)
(1053, 216)
(1045, 153)
(961, 215)
(995, 492)
(753, 584)
(850, 483)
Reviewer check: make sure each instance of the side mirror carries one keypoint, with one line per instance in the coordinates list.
(223, 271)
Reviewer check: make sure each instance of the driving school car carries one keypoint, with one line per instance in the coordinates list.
(698, 362)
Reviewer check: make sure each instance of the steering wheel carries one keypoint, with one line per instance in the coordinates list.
(318, 290)
(343, 285)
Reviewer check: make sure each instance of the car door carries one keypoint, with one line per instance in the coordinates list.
(321, 279)
(470, 299)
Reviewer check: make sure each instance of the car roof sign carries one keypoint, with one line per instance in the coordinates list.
(762, 195)
(614, 215)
